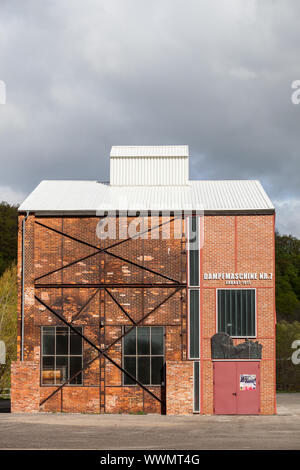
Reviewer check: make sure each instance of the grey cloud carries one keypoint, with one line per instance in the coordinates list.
(82, 76)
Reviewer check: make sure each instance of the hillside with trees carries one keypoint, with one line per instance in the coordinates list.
(8, 320)
(288, 310)
(8, 287)
(8, 235)
(287, 278)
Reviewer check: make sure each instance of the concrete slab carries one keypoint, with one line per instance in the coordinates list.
(82, 431)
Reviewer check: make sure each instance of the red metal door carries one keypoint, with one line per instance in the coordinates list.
(248, 388)
(224, 388)
(236, 387)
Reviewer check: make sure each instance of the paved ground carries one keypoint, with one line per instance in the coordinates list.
(82, 431)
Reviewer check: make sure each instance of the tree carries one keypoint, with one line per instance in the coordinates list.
(287, 278)
(8, 321)
(8, 235)
(288, 374)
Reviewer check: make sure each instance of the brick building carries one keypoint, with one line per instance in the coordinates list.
(153, 293)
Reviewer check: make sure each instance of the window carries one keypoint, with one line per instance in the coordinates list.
(196, 387)
(194, 324)
(61, 355)
(193, 251)
(236, 312)
(143, 355)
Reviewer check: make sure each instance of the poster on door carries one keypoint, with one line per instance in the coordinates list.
(247, 382)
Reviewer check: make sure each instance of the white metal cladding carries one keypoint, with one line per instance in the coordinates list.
(149, 151)
(141, 171)
(90, 196)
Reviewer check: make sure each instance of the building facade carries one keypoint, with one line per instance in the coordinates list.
(151, 294)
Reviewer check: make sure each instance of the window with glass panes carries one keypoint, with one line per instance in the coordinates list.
(61, 355)
(193, 251)
(194, 324)
(236, 312)
(194, 294)
(143, 355)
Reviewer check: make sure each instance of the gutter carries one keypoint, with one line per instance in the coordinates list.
(23, 284)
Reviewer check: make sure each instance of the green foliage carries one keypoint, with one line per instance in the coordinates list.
(288, 374)
(287, 278)
(8, 235)
(8, 321)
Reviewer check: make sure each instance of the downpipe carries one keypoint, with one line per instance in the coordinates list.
(23, 284)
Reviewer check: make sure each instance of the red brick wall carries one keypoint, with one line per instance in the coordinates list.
(25, 390)
(47, 250)
(239, 244)
(179, 387)
(231, 244)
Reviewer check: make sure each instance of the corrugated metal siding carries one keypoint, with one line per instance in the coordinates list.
(150, 151)
(136, 171)
(91, 196)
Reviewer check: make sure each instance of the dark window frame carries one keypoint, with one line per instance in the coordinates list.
(194, 281)
(196, 387)
(57, 383)
(194, 255)
(136, 356)
(190, 326)
(255, 311)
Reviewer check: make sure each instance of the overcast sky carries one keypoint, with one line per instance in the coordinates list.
(82, 76)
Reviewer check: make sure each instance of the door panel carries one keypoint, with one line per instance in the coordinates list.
(225, 388)
(236, 387)
(248, 388)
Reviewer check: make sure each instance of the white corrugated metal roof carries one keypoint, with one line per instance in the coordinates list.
(90, 196)
(149, 151)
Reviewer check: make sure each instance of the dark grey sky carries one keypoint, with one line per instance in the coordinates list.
(82, 76)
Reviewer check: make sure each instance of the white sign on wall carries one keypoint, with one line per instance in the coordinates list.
(238, 278)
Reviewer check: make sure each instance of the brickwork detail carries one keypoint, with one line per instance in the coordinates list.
(179, 387)
(25, 390)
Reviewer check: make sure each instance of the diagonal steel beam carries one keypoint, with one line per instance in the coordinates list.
(109, 285)
(120, 306)
(107, 347)
(100, 351)
(69, 380)
(85, 305)
(100, 250)
(141, 267)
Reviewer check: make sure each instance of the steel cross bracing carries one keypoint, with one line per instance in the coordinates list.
(101, 250)
(102, 352)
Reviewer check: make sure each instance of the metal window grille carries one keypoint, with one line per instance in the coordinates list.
(144, 355)
(61, 355)
(236, 312)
